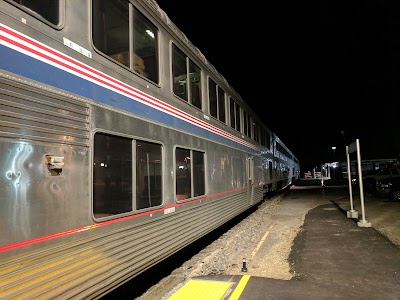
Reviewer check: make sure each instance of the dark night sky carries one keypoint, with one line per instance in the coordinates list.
(322, 75)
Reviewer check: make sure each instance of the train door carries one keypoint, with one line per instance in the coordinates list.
(250, 178)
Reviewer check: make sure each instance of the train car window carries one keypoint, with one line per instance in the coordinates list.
(183, 174)
(238, 175)
(249, 126)
(216, 100)
(212, 98)
(113, 175)
(186, 78)
(148, 175)
(194, 85)
(234, 110)
(237, 116)
(179, 73)
(221, 105)
(255, 132)
(127, 36)
(245, 123)
(48, 10)
(232, 113)
(190, 173)
(111, 29)
(267, 139)
(257, 129)
(263, 136)
(282, 150)
(198, 173)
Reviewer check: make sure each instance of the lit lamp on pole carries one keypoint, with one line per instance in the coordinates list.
(334, 148)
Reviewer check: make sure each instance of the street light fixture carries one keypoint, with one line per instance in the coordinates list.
(334, 148)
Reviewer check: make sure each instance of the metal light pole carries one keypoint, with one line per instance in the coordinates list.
(334, 171)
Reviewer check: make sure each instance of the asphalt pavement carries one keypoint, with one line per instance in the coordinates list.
(332, 257)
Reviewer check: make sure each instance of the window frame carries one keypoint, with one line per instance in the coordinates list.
(132, 187)
(189, 192)
(187, 80)
(129, 58)
(28, 10)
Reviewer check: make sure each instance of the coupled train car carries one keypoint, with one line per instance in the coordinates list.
(120, 144)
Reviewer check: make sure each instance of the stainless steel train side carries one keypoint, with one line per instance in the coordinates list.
(105, 171)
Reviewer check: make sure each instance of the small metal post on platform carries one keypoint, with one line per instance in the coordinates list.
(244, 266)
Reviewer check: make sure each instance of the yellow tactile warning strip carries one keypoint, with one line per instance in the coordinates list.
(208, 290)
(201, 290)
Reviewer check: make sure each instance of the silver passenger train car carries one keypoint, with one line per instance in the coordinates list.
(120, 144)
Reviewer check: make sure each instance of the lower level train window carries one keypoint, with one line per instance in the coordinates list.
(148, 174)
(190, 173)
(114, 171)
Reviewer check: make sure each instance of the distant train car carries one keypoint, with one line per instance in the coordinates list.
(120, 144)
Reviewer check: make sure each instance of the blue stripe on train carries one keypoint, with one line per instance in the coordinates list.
(24, 65)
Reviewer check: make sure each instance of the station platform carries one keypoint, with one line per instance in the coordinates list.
(332, 257)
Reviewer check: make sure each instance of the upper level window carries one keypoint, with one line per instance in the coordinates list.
(126, 35)
(234, 109)
(187, 78)
(216, 99)
(247, 124)
(48, 10)
(266, 138)
(246, 118)
(256, 132)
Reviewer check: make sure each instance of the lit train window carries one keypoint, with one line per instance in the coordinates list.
(113, 169)
(190, 173)
(216, 100)
(130, 40)
(48, 10)
(187, 78)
